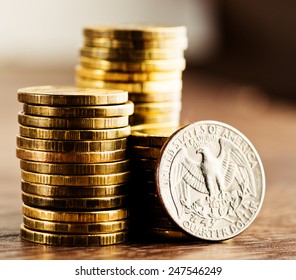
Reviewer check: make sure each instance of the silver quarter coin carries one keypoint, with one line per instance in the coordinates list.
(210, 180)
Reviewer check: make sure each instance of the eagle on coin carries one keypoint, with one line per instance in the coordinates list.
(209, 175)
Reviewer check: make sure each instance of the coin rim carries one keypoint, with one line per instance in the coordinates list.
(261, 168)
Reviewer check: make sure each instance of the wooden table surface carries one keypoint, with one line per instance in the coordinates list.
(271, 127)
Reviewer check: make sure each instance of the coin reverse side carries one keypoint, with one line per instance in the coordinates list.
(210, 180)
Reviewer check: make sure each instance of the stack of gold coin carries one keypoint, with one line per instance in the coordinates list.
(74, 167)
(145, 60)
(148, 217)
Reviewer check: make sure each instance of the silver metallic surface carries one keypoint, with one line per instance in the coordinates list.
(210, 180)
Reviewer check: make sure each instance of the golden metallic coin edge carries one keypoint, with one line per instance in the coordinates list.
(75, 216)
(180, 42)
(113, 76)
(35, 95)
(74, 157)
(147, 65)
(74, 134)
(73, 191)
(72, 123)
(112, 110)
(72, 239)
(75, 180)
(75, 228)
(61, 168)
(135, 30)
(73, 146)
(81, 203)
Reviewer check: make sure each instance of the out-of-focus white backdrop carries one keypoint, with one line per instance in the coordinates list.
(49, 33)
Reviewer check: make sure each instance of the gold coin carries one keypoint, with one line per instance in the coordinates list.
(60, 134)
(145, 152)
(152, 200)
(72, 123)
(70, 146)
(145, 66)
(74, 216)
(75, 228)
(117, 110)
(70, 96)
(76, 168)
(180, 42)
(89, 203)
(133, 56)
(135, 31)
(74, 191)
(155, 210)
(87, 157)
(145, 163)
(73, 239)
(163, 223)
(144, 87)
(170, 119)
(143, 175)
(168, 234)
(143, 187)
(157, 108)
(150, 187)
(143, 209)
(72, 180)
(151, 136)
(96, 74)
(155, 97)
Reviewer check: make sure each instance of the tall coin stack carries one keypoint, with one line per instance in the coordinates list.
(145, 60)
(148, 217)
(74, 168)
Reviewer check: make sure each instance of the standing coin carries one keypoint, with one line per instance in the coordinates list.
(210, 180)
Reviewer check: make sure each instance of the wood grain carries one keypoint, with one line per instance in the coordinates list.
(269, 125)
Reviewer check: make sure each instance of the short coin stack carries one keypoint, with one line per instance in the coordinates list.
(148, 217)
(74, 168)
(145, 60)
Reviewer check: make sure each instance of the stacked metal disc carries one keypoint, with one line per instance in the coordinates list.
(148, 217)
(145, 60)
(74, 167)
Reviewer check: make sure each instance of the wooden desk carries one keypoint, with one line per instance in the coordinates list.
(270, 126)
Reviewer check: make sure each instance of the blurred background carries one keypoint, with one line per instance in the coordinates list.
(246, 42)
